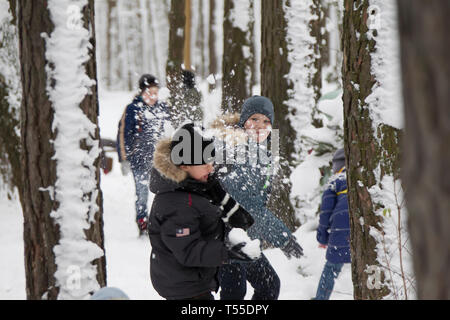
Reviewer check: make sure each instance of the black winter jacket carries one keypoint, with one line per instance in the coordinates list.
(186, 232)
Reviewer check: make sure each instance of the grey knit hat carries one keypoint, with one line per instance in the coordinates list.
(257, 104)
(110, 293)
(338, 160)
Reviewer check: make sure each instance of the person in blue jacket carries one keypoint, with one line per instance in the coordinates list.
(140, 127)
(248, 183)
(333, 232)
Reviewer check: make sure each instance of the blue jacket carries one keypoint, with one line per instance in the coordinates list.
(334, 224)
(250, 188)
(140, 128)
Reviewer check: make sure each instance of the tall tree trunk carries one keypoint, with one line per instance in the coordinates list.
(425, 53)
(237, 62)
(41, 233)
(176, 46)
(175, 57)
(275, 86)
(10, 91)
(184, 100)
(90, 107)
(187, 35)
(316, 25)
(367, 149)
(111, 5)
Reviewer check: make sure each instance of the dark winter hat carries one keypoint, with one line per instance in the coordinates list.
(188, 79)
(191, 146)
(338, 160)
(147, 81)
(256, 104)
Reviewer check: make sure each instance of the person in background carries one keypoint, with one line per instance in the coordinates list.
(141, 126)
(250, 187)
(333, 232)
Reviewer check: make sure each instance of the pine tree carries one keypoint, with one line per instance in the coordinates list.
(371, 147)
(275, 86)
(42, 233)
(237, 61)
(184, 100)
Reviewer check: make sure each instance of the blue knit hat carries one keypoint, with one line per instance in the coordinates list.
(257, 104)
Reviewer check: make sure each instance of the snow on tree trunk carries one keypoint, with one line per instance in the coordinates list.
(425, 53)
(10, 97)
(237, 62)
(64, 255)
(316, 119)
(373, 130)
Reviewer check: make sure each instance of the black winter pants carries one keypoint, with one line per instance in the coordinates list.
(233, 279)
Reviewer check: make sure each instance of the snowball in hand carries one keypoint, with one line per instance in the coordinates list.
(251, 248)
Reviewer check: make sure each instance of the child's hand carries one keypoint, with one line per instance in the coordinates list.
(324, 246)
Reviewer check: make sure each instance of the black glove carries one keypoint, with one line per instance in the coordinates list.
(292, 248)
(235, 253)
(241, 219)
(232, 213)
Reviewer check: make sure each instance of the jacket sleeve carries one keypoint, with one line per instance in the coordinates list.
(326, 209)
(130, 128)
(269, 228)
(181, 234)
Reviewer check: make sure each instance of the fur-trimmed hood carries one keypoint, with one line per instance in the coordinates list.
(226, 128)
(227, 120)
(165, 174)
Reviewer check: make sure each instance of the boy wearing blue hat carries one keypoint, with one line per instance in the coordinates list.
(246, 183)
(333, 232)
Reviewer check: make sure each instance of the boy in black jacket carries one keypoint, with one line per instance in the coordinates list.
(186, 230)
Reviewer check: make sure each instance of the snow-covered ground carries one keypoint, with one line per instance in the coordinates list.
(127, 255)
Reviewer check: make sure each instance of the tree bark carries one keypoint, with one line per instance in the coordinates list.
(316, 26)
(362, 151)
(41, 234)
(425, 53)
(236, 67)
(275, 86)
(175, 56)
(184, 100)
(90, 107)
(111, 5)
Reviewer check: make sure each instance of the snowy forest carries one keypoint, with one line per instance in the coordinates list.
(369, 76)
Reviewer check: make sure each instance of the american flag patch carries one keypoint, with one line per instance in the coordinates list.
(183, 232)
